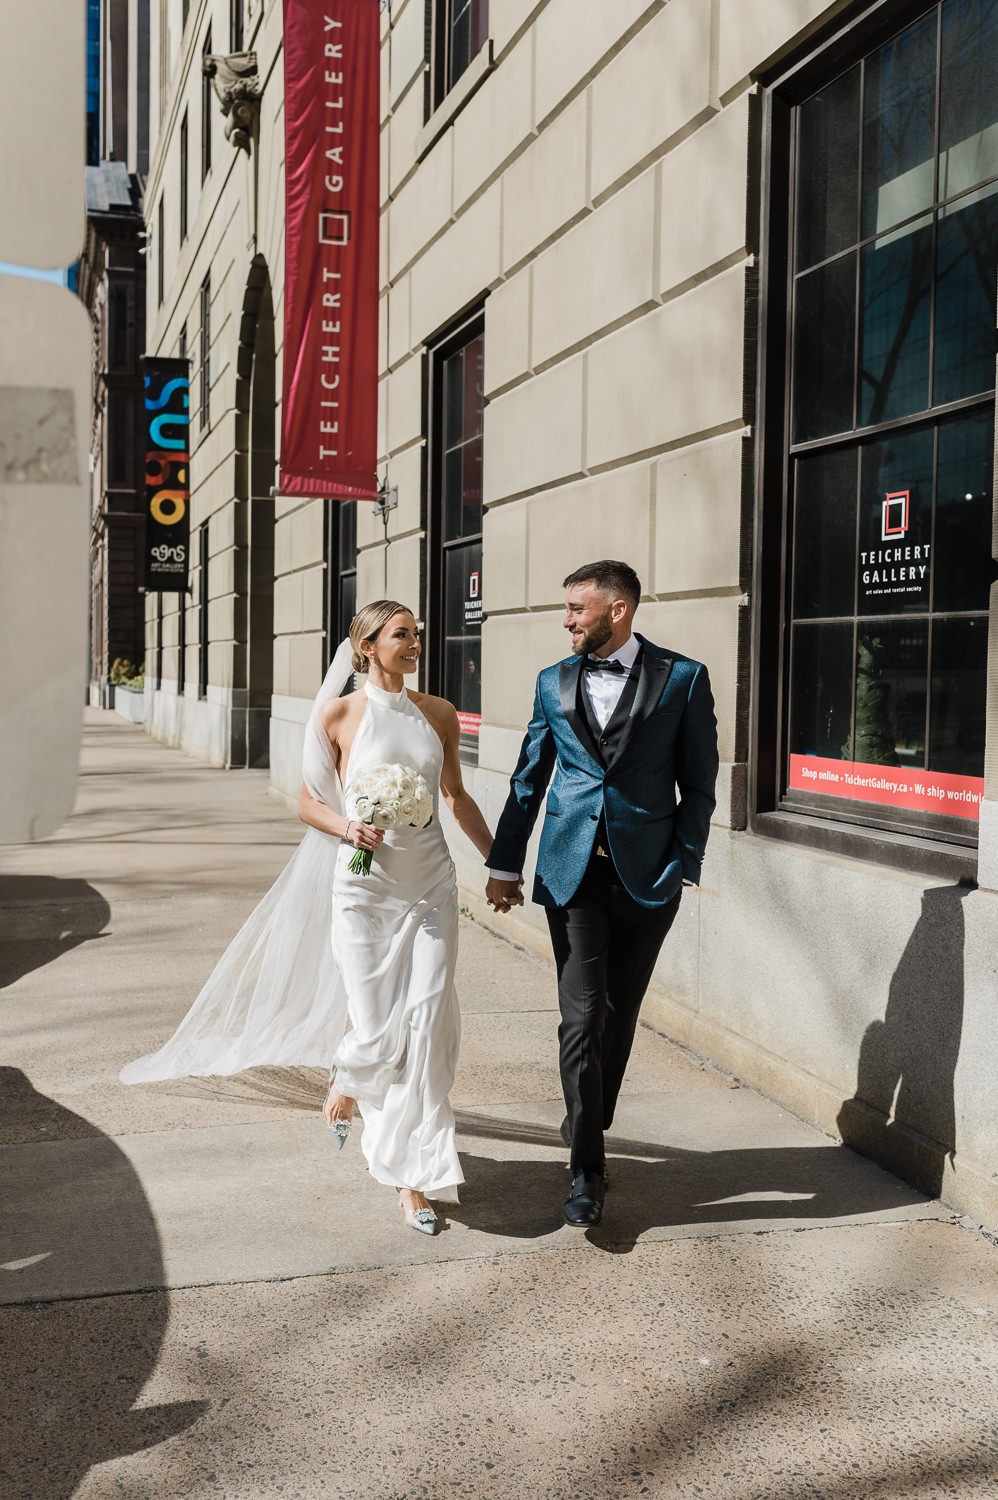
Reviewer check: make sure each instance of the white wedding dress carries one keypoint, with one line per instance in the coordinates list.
(324, 945)
(395, 941)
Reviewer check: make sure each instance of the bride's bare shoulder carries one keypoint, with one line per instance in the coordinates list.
(337, 713)
(440, 710)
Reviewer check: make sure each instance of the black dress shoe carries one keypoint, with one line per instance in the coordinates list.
(584, 1205)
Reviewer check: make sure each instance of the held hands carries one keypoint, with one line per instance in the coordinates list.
(501, 895)
(362, 835)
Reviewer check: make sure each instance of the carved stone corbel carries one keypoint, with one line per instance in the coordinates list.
(237, 84)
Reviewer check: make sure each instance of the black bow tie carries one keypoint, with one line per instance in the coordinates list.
(597, 664)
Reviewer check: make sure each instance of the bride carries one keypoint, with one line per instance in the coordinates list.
(282, 992)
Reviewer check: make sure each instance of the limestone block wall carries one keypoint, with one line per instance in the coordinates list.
(235, 237)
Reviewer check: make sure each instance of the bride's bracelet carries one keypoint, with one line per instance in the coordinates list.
(346, 831)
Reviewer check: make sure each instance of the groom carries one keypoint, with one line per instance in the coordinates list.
(624, 725)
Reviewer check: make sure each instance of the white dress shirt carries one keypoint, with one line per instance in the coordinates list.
(604, 690)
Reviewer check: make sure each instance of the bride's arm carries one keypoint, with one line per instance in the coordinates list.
(320, 815)
(467, 813)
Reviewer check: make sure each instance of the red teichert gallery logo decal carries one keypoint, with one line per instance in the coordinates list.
(896, 511)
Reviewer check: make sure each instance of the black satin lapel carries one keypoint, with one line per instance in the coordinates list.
(651, 684)
(568, 690)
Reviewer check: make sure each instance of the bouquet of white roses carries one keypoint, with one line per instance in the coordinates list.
(389, 796)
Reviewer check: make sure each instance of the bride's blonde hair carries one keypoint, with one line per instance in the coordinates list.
(368, 623)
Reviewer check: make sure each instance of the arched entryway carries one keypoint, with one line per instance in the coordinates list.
(255, 476)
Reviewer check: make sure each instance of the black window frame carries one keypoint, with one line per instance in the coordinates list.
(894, 837)
(341, 570)
(438, 546)
(443, 73)
(204, 602)
(204, 352)
(205, 109)
(160, 251)
(184, 190)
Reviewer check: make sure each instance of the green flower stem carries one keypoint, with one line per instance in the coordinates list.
(361, 862)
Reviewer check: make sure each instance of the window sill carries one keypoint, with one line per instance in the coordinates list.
(451, 106)
(899, 851)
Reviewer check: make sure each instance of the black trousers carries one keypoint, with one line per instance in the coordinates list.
(605, 947)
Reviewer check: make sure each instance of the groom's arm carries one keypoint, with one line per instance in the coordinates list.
(696, 773)
(526, 791)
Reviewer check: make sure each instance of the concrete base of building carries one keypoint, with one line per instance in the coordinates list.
(212, 728)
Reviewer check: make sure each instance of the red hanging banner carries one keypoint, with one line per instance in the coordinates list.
(329, 417)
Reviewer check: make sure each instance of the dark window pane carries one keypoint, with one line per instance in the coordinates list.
(968, 137)
(460, 41)
(348, 603)
(825, 534)
(479, 25)
(894, 330)
(821, 691)
(898, 127)
(966, 268)
(453, 399)
(453, 469)
(348, 535)
(891, 665)
(463, 627)
(959, 690)
(824, 350)
(474, 385)
(961, 563)
(827, 167)
(895, 523)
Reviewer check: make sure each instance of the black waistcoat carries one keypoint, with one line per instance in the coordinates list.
(604, 741)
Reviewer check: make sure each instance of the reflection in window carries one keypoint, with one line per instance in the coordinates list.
(894, 324)
(899, 127)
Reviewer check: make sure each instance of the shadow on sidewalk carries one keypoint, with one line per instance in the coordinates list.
(74, 1369)
(656, 1187)
(42, 917)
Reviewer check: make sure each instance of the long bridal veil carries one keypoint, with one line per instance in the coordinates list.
(275, 996)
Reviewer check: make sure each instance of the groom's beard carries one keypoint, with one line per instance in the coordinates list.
(596, 636)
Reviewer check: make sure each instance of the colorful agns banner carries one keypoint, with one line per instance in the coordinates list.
(167, 482)
(329, 416)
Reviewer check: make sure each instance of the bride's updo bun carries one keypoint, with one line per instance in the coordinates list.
(368, 623)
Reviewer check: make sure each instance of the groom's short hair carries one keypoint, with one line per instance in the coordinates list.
(611, 577)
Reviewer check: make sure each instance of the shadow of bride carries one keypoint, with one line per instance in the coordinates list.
(75, 1218)
(658, 1187)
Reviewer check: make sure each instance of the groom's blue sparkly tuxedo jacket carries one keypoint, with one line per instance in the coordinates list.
(669, 741)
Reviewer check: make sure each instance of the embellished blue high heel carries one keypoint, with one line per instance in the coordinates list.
(423, 1219)
(339, 1129)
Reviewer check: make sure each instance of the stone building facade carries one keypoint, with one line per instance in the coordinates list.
(708, 285)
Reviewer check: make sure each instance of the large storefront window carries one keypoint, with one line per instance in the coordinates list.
(890, 459)
(455, 532)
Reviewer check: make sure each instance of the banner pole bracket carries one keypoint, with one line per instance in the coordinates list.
(387, 500)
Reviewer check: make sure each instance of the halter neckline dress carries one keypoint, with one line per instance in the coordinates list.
(394, 938)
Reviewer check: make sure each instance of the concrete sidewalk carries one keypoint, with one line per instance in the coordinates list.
(202, 1297)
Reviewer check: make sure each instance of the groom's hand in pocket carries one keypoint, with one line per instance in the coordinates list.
(503, 894)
